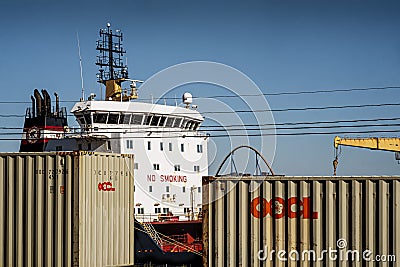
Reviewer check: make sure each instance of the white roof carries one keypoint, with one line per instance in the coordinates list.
(136, 107)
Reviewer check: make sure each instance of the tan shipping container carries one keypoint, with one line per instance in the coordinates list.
(301, 221)
(66, 209)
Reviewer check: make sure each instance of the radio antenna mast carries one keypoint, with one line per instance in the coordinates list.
(80, 64)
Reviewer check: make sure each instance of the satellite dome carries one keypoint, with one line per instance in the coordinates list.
(187, 98)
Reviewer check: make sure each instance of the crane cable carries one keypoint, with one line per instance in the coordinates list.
(337, 151)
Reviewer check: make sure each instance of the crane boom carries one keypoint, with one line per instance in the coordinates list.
(374, 143)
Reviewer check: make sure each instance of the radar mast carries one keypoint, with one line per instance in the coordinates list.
(113, 71)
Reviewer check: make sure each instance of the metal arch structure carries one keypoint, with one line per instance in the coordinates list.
(258, 154)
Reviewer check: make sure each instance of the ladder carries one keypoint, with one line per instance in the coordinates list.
(149, 228)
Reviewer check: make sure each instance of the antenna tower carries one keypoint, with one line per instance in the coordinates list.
(112, 70)
(110, 58)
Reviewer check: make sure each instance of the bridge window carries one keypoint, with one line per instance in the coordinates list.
(183, 125)
(170, 146)
(125, 118)
(88, 118)
(100, 117)
(165, 210)
(167, 189)
(147, 119)
(177, 168)
(113, 118)
(157, 210)
(194, 126)
(177, 122)
(162, 121)
(150, 188)
(199, 148)
(197, 126)
(188, 125)
(148, 145)
(161, 146)
(196, 168)
(182, 147)
(121, 118)
(137, 119)
(155, 120)
(169, 122)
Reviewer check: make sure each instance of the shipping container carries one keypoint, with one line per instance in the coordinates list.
(301, 221)
(66, 209)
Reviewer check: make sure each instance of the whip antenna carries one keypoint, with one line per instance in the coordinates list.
(80, 65)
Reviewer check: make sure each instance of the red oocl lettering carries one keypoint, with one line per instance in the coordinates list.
(290, 203)
(105, 186)
(277, 208)
(255, 204)
(307, 213)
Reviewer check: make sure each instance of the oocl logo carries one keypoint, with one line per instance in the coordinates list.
(278, 208)
(106, 186)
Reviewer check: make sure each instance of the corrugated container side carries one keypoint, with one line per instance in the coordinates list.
(29, 221)
(70, 196)
(66, 209)
(250, 221)
(105, 210)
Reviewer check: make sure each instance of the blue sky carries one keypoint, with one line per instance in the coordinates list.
(282, 46)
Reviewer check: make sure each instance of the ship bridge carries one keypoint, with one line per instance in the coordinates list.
(112, 116)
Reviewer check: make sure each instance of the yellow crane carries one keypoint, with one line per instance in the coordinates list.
(374, 143)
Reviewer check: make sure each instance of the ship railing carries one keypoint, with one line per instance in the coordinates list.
(90, 129)
(101, 127)
(163, 217)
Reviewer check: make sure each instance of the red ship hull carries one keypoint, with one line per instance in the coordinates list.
(180, 236)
